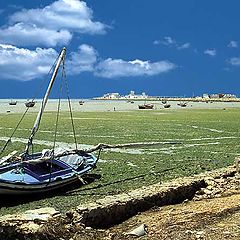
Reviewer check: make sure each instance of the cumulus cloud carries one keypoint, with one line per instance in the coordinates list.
(74, 15)
(83, 60)
(232, 44)
(50, 26)
(184, 46)
(170, 42)
(210, 52)
(235, 61)
(23, 64)
(112, 68)
(27, 35)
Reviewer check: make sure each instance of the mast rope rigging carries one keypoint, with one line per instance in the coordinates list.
(36, 125)
(25, 112)
(58, 113)
(69, 105)
(14, 130)
(41, 85)
(56, 129)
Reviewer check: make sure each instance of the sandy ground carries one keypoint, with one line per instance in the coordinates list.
(214, 213)
(98, 105)
(216, 218)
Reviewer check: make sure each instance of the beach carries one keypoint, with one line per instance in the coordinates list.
(107, 105)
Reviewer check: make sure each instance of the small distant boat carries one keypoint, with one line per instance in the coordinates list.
(130, 101)
(146, 106)
(12, 103)
(81, 102)
(30, 103)
(167, 105)
(182, 104)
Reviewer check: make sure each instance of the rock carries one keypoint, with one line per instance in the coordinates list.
(29, 222)
(219, 180)
(139, 231)
(36, 215)
(208, 192)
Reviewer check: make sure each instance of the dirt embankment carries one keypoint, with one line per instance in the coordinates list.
(206, 206)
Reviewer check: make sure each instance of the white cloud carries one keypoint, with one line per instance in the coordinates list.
(73, 15)
(27, 35)
(170, 42)
(156, 42)
(235, 61)
(50, 26)
(210, 52)
(233, 44)
(112, 68)
(184, 46)
(83, 60)
(23, 64)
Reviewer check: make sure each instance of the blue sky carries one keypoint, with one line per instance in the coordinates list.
(163, 48)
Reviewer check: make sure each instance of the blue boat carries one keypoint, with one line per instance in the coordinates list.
(37, 175)
(30, 173)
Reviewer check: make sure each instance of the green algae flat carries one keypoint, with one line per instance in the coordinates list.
(209, 139)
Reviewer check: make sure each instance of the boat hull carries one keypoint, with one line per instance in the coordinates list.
(33, 177)
(30, 104)
(25, 189)
(167, 106)
(146, 106)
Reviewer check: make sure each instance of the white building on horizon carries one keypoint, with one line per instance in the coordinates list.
(131, 95)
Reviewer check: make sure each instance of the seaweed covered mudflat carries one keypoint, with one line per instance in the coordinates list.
(206, 139)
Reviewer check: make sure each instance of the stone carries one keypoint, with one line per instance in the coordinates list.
(41, 214)
(139, 231)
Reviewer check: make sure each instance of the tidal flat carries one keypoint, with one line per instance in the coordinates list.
(206, 139)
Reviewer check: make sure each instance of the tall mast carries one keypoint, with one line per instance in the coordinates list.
(61, 59)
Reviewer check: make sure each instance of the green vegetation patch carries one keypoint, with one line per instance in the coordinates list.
(207, 139)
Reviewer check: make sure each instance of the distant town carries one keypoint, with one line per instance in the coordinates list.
(144, 96)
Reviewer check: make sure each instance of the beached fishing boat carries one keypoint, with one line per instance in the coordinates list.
(81, 102)
(167, 105)
(30, 103)
(182, 104)
(50, 169)
(146, 106)
(12, 102)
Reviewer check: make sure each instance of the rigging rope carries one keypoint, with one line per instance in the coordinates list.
(58, 113)
(22, 117)
(9, 140)
(128, 145)
(69, 105)
(44, 79)
(56, 128)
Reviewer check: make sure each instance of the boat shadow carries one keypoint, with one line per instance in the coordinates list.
(15, 200)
